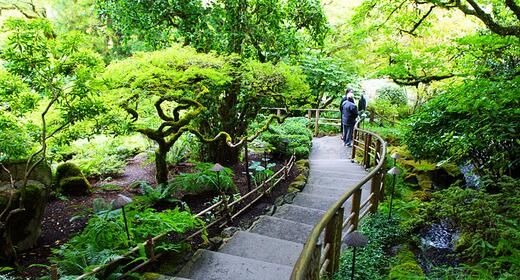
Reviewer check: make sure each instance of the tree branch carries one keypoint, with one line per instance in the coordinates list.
(415, 81)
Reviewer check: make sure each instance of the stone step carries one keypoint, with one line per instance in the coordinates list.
(282, 229)
(299, 214)
(331, 181)
(332, 189)
(336, 166)
(314, 201)
(209, 265)
(339, 174)
(262, 248)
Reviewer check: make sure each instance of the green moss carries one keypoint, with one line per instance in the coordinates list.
(401, 150)
(299, 182)
(415, 166)
(67, 169)
(75, 186)
(406, 266)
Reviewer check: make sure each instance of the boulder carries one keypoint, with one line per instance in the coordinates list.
(41, 173)
(24, 227)
(71, 181)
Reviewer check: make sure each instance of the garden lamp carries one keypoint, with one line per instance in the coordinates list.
(355, 239)
(393, 171)
(395, 156)
(217, 168)
(120, 202)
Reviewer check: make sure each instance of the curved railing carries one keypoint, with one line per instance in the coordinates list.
(321, 257)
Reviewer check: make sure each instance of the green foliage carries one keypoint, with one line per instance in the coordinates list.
(327, 78)
(102, 156)
(104, 238)
(265, 30)
(259, 173)
(163, 193)
(488, 223)
(206, 180)
(479, 121)
(394, 94)
(371, 260)
(406, 266)
(293, 135)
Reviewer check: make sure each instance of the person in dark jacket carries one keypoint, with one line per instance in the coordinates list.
(349, 90)
(348, 119)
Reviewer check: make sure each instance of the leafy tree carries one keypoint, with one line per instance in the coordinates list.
(263, 29)
(327, 78)
(177, 90)
(43, 75)
(478, 121)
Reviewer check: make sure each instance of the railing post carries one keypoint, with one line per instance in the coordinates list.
(365, 150)
(313, 271)
(368, 143)
(278, 111)
(354, 141)
(316, 124)
(382, 180)
(374, 188)
(333, 237)
(54, 272)
(149, 249)
(356, 201)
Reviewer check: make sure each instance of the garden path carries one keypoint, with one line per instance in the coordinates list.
(270, 248)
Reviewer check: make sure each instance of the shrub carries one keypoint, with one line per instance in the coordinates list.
(205, 180)
(288, 137)
(395, 95)
(104, 238)
(371, 261)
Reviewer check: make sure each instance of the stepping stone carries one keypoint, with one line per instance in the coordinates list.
(282, 229)
(262, 248)
(314, 201)
(299, 214)
(209, 265)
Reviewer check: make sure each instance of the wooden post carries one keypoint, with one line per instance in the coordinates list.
(354, 138)
(278, 111)
(54, 272)
(374, 188)
(316, 124)
(285, 171)
(148, 247)
(246, 159)
(313, 270)
(382, 177)
(369, 142)
(227, 212)
(333, 237)
(365, 150)
(309, 114)
(356, 201)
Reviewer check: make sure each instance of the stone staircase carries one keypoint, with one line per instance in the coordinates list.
(270, 248)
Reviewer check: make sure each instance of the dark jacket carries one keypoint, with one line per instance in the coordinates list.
(349, 112)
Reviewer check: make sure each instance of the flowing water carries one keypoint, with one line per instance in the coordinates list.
(437, 245)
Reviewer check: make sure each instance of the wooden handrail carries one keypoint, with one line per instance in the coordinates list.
(305, 267)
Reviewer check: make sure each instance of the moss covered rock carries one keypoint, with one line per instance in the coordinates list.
(24, 227)
(71, 181)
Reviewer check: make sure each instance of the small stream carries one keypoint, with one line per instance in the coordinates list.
(437, 245)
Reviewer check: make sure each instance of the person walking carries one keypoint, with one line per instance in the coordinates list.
(349, 90)
(348, 118)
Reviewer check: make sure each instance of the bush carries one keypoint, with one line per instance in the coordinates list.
(288, 137)
(104, 238)
(371, 260)
(102, 155)
(395, 95)
(205, 180)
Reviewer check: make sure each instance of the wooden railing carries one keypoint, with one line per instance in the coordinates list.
(313, 115)
(224, 211)
(321, 257)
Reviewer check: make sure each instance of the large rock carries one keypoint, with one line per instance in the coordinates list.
(71, 181)
(24, 227)
(41, 173)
